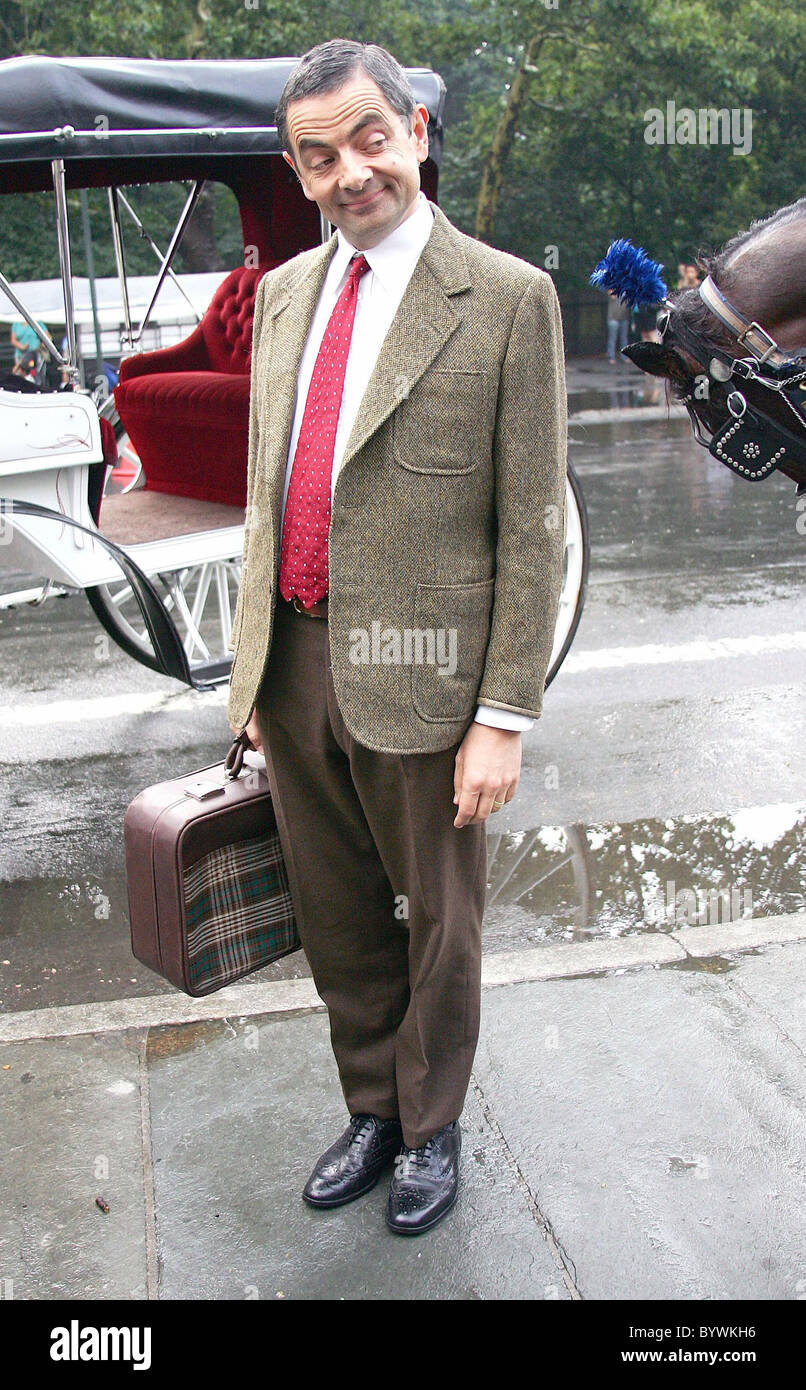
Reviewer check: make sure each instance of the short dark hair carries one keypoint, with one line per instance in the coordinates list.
(329, 65)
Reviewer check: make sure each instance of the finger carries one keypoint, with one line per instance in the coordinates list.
(487, 801)
(468, 802)
(457, 780)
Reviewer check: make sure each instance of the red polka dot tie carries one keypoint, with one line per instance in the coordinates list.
(306, 523)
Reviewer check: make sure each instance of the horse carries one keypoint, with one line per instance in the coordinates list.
(733, 350)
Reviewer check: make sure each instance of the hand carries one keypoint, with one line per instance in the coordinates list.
(252, 732)
(488, 766)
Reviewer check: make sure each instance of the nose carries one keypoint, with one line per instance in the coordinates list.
(354, 172)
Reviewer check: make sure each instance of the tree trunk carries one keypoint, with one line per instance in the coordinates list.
(493, 168)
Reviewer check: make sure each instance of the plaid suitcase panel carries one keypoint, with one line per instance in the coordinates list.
(238, 911)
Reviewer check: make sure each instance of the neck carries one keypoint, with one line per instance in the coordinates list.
(765, 282)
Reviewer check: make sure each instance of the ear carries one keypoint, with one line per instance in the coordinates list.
(659, 360)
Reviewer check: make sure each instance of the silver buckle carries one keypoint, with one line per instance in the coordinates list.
(764, 335)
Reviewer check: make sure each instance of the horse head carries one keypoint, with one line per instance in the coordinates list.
(733, 349)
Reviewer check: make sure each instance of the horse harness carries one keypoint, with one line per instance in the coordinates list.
(749, 440)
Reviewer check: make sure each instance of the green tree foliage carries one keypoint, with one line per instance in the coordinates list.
(546, 112)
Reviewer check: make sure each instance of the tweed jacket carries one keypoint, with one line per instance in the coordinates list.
(447, 523)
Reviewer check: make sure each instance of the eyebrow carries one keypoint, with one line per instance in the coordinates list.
(309, 143)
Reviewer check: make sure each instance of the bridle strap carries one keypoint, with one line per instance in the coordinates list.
(749, 333)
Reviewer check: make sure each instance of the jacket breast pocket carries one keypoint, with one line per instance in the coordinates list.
(449, 647)
(441, 426)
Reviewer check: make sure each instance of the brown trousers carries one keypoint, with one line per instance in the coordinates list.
(388, 894)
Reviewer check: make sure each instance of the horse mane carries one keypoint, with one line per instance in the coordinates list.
(692, 312)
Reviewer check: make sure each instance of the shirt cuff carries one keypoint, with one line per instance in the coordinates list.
(503, 719)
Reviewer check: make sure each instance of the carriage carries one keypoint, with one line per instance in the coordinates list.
(159, 558)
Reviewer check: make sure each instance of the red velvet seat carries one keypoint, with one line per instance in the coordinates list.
(186, 408)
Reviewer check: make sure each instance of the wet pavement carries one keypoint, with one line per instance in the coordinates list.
(665, 785)
(629, 1134)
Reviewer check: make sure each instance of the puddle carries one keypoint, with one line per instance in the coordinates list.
(581, 882)
(66, 940)
(706, 965)
(616, 396)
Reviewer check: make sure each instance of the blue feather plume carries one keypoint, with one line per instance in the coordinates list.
(630, 273)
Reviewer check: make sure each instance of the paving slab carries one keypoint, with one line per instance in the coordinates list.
(71, 1132)
(775, 980)
(636, 1134)
(240, 1110)
(659, 1117)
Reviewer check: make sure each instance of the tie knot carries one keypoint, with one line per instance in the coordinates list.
(358, 265)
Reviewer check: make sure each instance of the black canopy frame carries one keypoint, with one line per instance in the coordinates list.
(109, 122)
(94, 110)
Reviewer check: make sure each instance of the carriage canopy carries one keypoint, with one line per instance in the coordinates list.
(90, 111)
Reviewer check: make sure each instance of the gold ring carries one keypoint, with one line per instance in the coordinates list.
(497, 805)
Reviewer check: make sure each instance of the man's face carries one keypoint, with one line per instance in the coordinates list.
(356, 159)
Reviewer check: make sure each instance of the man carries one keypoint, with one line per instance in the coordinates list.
(618, 325)
(402, 569)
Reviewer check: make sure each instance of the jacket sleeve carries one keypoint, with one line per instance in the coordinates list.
(254, 440)
(529, 454)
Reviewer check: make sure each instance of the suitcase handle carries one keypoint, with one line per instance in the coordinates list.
(233, 762)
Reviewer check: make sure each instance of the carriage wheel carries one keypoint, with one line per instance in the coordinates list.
(200, 600)
(575, 572)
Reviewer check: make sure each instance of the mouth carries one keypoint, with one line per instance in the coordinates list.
(364, 202)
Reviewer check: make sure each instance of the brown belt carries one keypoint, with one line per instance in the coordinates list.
(316, 610)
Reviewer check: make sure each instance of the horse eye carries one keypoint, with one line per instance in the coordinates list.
(662, 322)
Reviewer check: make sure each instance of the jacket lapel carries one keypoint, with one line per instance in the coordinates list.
(290, 319)
(424, 322)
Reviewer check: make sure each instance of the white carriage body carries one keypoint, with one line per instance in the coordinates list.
(47, 445)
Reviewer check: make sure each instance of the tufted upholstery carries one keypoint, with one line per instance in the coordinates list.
(227, 326)
(186, 408)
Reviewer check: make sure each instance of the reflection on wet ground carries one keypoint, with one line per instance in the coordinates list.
(66, 941)
(578, 882)
(658, 503)
(593, 384)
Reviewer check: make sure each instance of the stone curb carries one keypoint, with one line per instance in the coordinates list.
(285, 997)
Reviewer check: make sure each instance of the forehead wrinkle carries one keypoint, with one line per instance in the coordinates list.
(313, 129)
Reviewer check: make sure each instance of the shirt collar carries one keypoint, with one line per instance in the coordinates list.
(397, 254)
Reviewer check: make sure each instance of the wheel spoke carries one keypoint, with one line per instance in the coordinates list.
(224, 610)
(193, 638)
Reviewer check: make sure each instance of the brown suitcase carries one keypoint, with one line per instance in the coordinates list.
(209, 899)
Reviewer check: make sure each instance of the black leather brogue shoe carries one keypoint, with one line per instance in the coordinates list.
(354, 1163)
(426, 1183)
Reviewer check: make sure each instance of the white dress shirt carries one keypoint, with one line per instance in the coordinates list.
(380, 290)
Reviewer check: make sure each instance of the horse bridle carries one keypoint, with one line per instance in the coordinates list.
(749, 441)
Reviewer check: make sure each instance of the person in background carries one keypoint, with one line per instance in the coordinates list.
(24, 342)
(646, 320)
(618, 324)
(688, 276)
